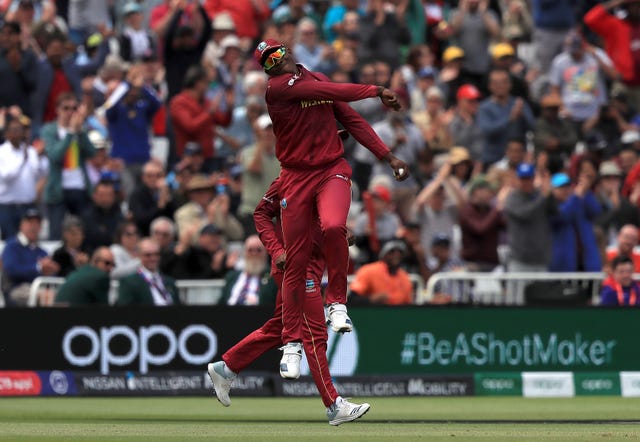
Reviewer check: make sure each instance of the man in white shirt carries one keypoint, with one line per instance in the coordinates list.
(20, 169)
(147, 286)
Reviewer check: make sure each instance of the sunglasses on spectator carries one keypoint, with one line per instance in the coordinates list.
(274, 58)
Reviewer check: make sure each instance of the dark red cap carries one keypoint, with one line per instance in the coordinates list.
(264, 48)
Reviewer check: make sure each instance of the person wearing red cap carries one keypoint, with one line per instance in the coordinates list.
(269, 336)
(464, 127)
(315, 178)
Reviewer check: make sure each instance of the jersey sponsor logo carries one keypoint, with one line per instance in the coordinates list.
(283, 203)
(309, 103)
(310, 286)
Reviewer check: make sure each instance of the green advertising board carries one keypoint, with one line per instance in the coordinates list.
(418, 340)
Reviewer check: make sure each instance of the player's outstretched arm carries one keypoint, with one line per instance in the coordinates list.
(389, 98)
(400, 168)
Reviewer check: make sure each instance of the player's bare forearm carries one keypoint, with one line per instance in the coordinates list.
(400, 168)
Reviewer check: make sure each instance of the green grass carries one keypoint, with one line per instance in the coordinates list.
(288, 419)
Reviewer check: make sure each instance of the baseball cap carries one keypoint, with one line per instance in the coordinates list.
(426, 72)
(440, 239)
(468, 92)
(525, 170)
(559, 180)
(502, 50)
(458, 154)
(97, 139)
(31, 212)
(264, 48)
(210, 229)
(264, 121)
(452, 53)
(609, 168)
(391, 246)
(230, 41)
(434, 92)
(131, 7)
(630, 136)
(382, 193)
(479, 182)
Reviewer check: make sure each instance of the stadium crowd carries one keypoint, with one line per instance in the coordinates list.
(136, 134)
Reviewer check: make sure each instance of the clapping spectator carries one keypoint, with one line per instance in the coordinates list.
(68, 148)
(433, 121)
(574, 246)
(20, 169)
(102, 216)
(554, 135)
(135, 41)
(310, 51)
(24, 260)
(200, 254)
(252, 285)
(463, 128)
(18, 69)
(125, 250)
(71, 254)
(152, 198)
(383, 30)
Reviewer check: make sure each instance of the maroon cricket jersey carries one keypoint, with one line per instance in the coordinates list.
(304, 109)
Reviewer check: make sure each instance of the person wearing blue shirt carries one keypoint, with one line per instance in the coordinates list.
(502, 117)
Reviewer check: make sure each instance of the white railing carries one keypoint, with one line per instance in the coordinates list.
(191, 291)
(503, 288)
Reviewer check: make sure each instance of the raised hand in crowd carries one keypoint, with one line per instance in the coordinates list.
(48, 266)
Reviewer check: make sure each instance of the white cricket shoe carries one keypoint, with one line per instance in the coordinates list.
(342, 411)
(221, 382)
(290, 362)
(338, 319)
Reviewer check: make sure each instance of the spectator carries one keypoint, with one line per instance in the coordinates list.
(434, 210)
(443, 261)
(240, 131)
(200, 191)
(129, 111)
(206, 259)
(575, 76)
(574, 246)
(18, 69)
(481, 222)
(617, 210)
(182, 46)
(125, 250)
(333, 24)
(310, 50)
(57, 74)
(194, 117)
(102, 216)
(87, 16)
(71, 254)
(252, 285)
(383, 31)
(528, 208)
(147, 286)
(68, 148)
(23, 260)
(473, 24)
(501, 117)
(89, 284)
(163, 231)
(503, 56)
(135, 41)
(626, 246)
(622, 289)
(554, 135)
(423, 80)
(433, 122)
(552, 21)
(618, 35)
(20, 169)
(260, 167)
(221, 26)
(152, 198)
(247, 15)
(100, 162)
(384, 281)
(453, 75)
(463, 128)
(517, 23)
(377, 224)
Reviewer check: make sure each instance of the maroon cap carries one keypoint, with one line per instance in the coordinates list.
(265, 48)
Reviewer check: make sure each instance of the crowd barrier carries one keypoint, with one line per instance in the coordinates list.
(191, 291)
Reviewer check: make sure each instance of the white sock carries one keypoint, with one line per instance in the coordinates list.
(227, 372)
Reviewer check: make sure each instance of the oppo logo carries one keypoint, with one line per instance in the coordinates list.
(138, 346)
